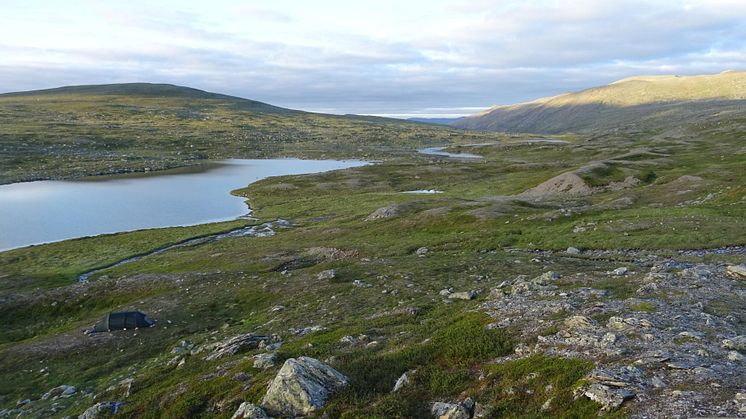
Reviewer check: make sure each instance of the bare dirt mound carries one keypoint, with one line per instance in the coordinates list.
(566, 183)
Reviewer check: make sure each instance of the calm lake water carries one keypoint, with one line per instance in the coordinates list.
(47, 211)
(438, 151)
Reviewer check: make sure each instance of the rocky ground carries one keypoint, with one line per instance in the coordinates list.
(668, 349)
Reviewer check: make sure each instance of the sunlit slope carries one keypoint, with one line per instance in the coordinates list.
(636, 102)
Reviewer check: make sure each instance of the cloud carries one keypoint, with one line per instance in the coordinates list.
(382, 57)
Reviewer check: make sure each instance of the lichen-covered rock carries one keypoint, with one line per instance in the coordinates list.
(736, 271)
(249, 411)
(63, 391)
(101, 410)
(302, 386)
(234, 345)
(462, 410)
(608, 397)
(265, 360)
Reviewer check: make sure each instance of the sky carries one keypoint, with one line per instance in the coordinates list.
(401, 58)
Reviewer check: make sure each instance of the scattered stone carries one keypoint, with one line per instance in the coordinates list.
(445, 292)
(547, 277)
(620, 271)
(579, 323)
(184, 347)
(737, 343)
(347, 340)
(462, 410)
(327, 274)
(463, 295)
(383, 212)
(422, 252)
(547, 404)
(101, 410)
(63, 391)
(302, 386)
(736, 271)
(740, 400)
(402, 381)
(657, 383)
(360, 284)
(572, 251)
(309, 329)
(265, 360)
(249, 411)
(608, 397)
(236, 344)
(736, 356)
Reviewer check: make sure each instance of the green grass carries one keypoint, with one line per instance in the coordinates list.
(519, 389)
(62, 262)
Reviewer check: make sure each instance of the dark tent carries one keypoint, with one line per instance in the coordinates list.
(123, 320)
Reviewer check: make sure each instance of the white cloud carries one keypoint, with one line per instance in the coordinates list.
(368, 56)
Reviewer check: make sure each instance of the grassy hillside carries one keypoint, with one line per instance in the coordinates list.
(85, 130)
(633, 104)
(521, 348)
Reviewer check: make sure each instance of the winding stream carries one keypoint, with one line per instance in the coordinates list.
(262, 230)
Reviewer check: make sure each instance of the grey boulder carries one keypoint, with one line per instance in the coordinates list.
(302, 386)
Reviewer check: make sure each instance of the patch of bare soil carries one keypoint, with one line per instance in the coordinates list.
(566, 184)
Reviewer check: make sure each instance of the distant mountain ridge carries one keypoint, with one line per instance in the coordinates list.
(634, 100)
(436, 121)
(147, 90)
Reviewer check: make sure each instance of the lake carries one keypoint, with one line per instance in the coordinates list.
(47, 211)
(438, 151)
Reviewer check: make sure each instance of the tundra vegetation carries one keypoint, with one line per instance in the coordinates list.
(612, 290)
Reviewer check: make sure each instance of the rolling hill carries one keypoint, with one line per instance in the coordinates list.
(101, 129)
(630, 104)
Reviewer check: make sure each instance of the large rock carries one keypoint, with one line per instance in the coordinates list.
(249, 411)
(302, 386)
